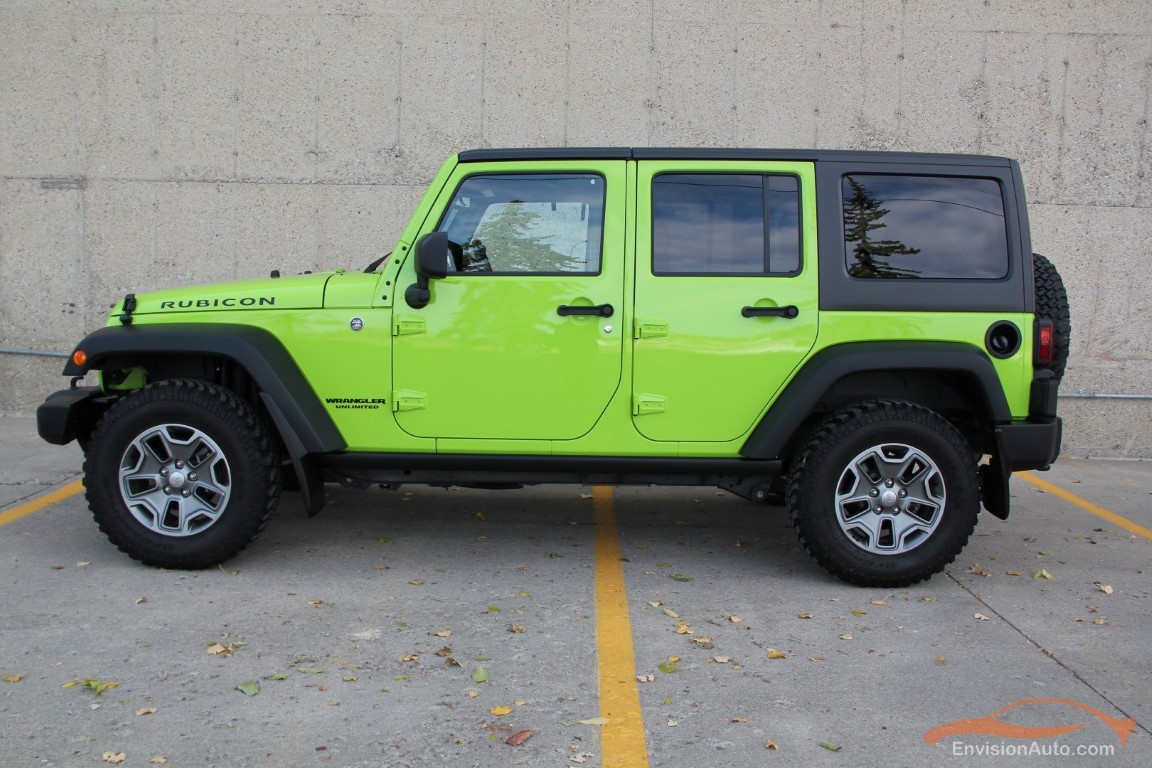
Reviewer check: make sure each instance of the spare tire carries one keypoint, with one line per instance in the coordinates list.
(1052, 304)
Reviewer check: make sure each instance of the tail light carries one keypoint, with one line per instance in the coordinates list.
(1045, 343)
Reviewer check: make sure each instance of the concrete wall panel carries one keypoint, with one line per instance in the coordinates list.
(151, 143)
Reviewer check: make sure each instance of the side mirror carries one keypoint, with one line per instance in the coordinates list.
(431, 264)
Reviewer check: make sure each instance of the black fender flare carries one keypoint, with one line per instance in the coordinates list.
(821, 372)
(301, 418)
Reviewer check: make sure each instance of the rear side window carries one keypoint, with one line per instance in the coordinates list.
(924, 227)
(725, 224)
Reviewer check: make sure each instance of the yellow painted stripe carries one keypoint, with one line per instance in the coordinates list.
(622, 742)
(1084, 504)
(47, 500)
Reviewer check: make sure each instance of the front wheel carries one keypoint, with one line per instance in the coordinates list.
(181, 474)
(884, 494)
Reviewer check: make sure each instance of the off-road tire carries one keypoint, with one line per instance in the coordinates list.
(828, 473)
(1052, 304)
(191, 421)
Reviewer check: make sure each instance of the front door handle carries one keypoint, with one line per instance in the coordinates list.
(599, 310)
(789, 311)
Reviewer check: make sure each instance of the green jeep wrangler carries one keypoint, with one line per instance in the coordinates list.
(864, 337)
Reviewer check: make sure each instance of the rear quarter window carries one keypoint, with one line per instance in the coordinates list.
(922, 227)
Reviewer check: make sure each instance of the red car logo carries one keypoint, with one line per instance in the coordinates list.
(990, 726)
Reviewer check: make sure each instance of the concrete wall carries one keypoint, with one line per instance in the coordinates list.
(160, 142)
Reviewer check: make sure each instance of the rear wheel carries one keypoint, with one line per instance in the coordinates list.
(181, 474)
(884, 494)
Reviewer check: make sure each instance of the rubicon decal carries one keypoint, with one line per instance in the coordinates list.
(989, 725)
(356, 403)
(231, 301)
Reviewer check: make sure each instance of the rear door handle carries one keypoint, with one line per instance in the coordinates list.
(789, 312)
(599, 310)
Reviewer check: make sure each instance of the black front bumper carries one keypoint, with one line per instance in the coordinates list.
(70, 413)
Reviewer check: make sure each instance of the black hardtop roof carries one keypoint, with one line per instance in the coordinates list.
(718, 153)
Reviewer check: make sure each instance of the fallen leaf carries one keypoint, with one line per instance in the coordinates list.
(980, 617)
(804, 615)
(145, 711)
(878, 602)
(99, 686)
(480, 675)
(1100, 622)
(673, 658)
(940, 660)
(1042, 573)
(680, 577)
(684, 629)
(114, 757)
(517, 629)
(775, 654)
(655, 603)
(13, 678)
(82, 564)
(520, 702)
(471, 694)
(594, 721)
(416, 582)
(1014, 573)
(721, 659)
(846, 636)
(771, 745)
(830, 746)
(278, 676)
(158, 760)
(703, 642)
(451, 662)
(481, 516)
(139, 600)
(858, 613)
(309, 670)
(735, 619)
(1106, 589)
(518, 738)
(248, 687)
(443, 633)
(737, 719)
(492, 609)
(350, 678)
(445, 651)
(580, 757)
(667, 667)
(671, 613)
(645, 678)
(673, 724)
(410, 657)
(500, 711)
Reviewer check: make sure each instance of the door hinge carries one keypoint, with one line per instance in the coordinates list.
(643, 405)
(407, 400)
(649, 329)
(405, 326)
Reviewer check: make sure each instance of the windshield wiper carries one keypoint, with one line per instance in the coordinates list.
(372, 267)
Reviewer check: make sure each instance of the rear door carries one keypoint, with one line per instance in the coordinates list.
(726, 293)
(518, 341)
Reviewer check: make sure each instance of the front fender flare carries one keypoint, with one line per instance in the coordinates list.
(254, 349)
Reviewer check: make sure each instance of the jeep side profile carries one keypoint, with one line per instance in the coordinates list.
(865, 337)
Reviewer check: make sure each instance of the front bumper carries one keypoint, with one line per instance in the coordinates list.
(70, 414)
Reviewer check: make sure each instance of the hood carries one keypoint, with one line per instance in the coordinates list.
(298, 292)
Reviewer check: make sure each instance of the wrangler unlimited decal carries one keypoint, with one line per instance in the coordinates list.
(363, 403)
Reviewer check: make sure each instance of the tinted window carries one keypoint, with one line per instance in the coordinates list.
(714, 224)
(924, 227)
(526, 223)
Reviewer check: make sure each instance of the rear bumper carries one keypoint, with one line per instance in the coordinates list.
(70, 413)
(1032, 444)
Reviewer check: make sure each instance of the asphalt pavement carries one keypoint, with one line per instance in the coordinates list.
(430, 627)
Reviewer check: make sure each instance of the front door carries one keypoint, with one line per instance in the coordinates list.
(726, 293)
(518, 341)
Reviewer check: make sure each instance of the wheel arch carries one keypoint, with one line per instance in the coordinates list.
(256, 360)
(948, 377)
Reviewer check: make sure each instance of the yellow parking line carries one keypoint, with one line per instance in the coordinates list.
(47, 500)
(1084, 504)
(622, 742)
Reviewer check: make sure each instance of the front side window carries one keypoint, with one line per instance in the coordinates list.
(526, 223)
(924, 227)
(725, 224)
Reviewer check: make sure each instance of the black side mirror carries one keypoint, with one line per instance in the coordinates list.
(431, 264)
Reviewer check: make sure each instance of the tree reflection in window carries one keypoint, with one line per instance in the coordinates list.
(862, 215)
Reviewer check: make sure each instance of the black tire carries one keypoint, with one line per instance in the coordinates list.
(206, 475)
(860, 450)
(1052, 304)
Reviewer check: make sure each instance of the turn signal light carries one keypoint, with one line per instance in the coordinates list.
(79, 357)
(1045, 343)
